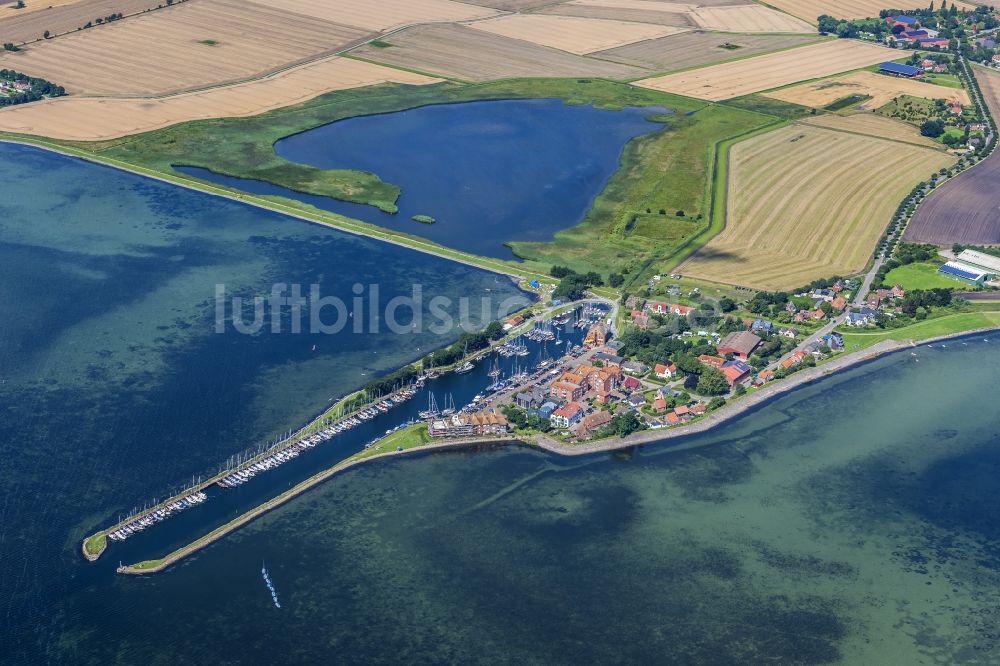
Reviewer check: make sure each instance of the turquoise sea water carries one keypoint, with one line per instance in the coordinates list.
(488, 172)
(852, 522)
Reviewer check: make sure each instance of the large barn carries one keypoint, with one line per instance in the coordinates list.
(896, 69)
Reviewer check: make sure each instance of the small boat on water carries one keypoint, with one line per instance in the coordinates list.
(468, 366)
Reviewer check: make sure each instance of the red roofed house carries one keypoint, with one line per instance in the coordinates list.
(568, 415)
(818, 314)
(714, 361)
(699, 409)
(659, 404)
(682, 411)
(597, 335)
(682, 310)
(838, 303)
(735, 374)
(673, 419)
(793, 360)
(665, 371)
(567, 390)
(766, 375)
(516, 320)
(659, 308)
(631, 384)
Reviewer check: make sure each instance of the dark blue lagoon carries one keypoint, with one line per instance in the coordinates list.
(488, 172)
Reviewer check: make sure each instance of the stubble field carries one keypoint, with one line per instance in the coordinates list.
(874, 125)
(83, 119)
(966, 209)
(199, 44)
(382, 15)
(881, 88)
(573, 34)
(61, 18)
(742, 77)
(472, 55)
(809, 10)
(698, 48)
(805, 203)
(748, 18)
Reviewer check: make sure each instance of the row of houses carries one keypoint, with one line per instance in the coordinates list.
(489, 421)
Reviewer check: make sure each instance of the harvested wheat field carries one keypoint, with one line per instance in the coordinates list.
(809, 10)
(83, 119)
(679, 18)
(698, 48)
(9, 8)
(748, 18)
(67, 17)
(966, 209)
(382, 15)
(874, 125)
(881, 88)
(751, 75)
(784, 230)
(573, 34)
(199, 44)
(460, 52)
(513, 5)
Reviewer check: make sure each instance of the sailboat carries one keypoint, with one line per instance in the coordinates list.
(449, 406)
(558, 338)
(544, 361)
(467, 366)
(495, 370)
(432, 408)
(432, 374)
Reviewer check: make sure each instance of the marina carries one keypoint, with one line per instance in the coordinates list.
(493, 372)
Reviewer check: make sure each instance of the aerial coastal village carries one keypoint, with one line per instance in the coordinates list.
(489, 323)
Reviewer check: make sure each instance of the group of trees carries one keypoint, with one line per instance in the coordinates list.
(950, 23)
(470, 342)
(39, 88)
(521, 420)
(572, 286)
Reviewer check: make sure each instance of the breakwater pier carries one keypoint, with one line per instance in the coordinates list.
(352, 425)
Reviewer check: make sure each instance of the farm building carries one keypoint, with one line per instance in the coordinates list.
(896, 69)
(987, 263)
(963, 273)
(740, 343)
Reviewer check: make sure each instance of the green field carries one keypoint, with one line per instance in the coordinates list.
(923, 276)
(407, 438)
(930, 328)
(679, 168)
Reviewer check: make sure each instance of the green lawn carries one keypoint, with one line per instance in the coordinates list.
(96, 544)
(407, 438)
(923, 276)
(946, 80)
(923, 330)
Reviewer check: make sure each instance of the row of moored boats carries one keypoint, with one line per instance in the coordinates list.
(143, 521)
(289, 450)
